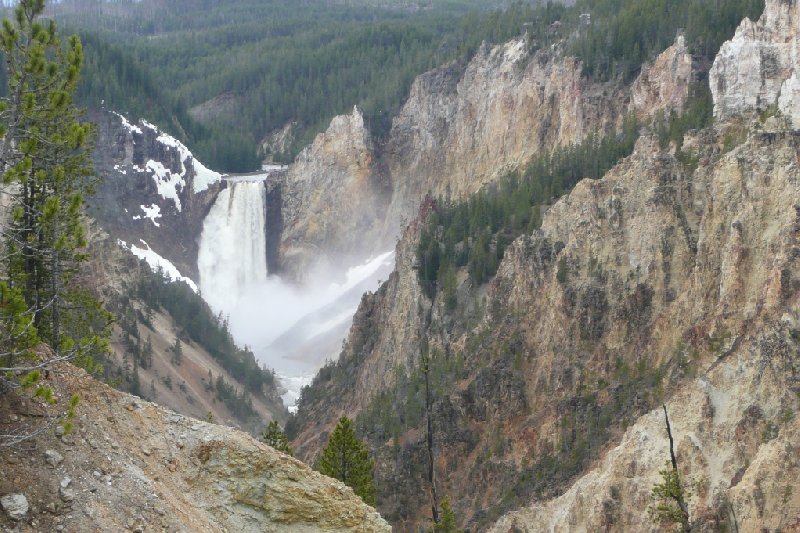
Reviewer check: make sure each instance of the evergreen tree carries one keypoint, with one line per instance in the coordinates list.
(147, 353)
(447, 522)
(46, 171)
(347, 459)
(275, 437)
(177, 352)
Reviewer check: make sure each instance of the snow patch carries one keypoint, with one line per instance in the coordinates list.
(157, 263)
(166, 182)
(148, 125)
(130, 127)
(152, 212)
(203, 175)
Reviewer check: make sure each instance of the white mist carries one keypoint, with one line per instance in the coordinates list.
(291, 329)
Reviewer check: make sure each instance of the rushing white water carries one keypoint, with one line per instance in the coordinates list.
(232, 255)
(291, 329)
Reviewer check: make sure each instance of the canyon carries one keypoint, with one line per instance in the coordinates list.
(671, 284)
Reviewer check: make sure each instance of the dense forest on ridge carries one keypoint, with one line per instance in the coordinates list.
(258, 66)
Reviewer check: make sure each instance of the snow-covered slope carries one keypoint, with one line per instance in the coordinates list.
(153, 189)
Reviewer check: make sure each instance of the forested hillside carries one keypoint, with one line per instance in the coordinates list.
(272, 65)
(224, 77)
(253, 67)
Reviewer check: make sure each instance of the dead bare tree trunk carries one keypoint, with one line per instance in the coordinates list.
(677, 494)
(431, 473)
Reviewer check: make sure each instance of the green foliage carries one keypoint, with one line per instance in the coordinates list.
(733, 137)
(239, 402)
(474, 233)
(275, 65)
(347, 459)
(46, 173)
(275, 437)
(177, 352)
(562, 273)
(19, 335)
(625, 33)
(71, 410)
(669, 500)
(447, 520)
(391, 412)
(196, 319)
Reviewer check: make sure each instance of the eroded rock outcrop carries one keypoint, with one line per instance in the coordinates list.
(131, 465)
(461, 128)
(674, 279)
(664, 84)
(757, 69)
(152, 189)
(720, 292)
(333, 195)
(657, 281)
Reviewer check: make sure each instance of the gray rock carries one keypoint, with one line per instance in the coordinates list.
(66, 494)
(15, 506)
(53, 458)
(59, 431)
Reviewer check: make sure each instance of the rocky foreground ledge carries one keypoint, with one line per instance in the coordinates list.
(132, 465)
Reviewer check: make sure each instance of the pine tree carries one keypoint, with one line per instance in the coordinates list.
(147, 353)
(275, 437)
(177, 352)
(347, 459)
(447, 521)
(46, 172)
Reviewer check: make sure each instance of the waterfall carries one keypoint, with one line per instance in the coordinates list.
(232, 255)
(291, 328)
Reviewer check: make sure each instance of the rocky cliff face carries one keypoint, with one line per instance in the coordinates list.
(710, 272)
(133, 466)
(672, 279)
(333, 195)
(653, 282)
(460, 129)
(153, 190)
(757, 69)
